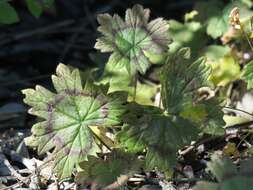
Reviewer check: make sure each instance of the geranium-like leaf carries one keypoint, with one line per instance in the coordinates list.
(181, 78)
(68, 116)
(161, 135)
(228, 176)
(134, 40)
(105, 172)
(247, 74)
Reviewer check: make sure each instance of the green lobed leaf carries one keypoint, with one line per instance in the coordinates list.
(109, 170)
(247, 74)
(217, 26)
(228, 176)
(68, 117)
(8, 14)
(161, 135)
(164, 137)
(181, 78)
(133, 41)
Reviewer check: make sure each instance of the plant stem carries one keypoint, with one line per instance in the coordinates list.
(100, 139)
(236, 109)
(246, 36)
(135, 86)
(243, 139)
(160, 99)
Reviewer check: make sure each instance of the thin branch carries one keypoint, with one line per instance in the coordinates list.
(238, 110)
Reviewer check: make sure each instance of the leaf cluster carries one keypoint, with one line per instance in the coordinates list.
(96, 129)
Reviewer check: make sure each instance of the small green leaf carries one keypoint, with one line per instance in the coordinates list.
(35, 7)
(181, 78)
(8, 14)
(132, 40)
(217, 26)
(216, 52)
(106, 171)
(247, 74)
(225, 70)
(228, 176)
(69, 116)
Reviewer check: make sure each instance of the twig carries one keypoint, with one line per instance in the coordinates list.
(90, 17)
(246, 36)
(236, 110)
(120, 181)
(12, 170)
(72, 40)
(37, 31)
(186, 180)
(17, 158)
(135, 86)
(25, 80)
(239, 127)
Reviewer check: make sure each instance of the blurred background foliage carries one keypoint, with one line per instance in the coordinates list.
(36, 35)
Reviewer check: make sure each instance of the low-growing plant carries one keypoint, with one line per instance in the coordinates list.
(97, 128)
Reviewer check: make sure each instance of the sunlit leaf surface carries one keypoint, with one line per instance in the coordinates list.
(68, 117)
